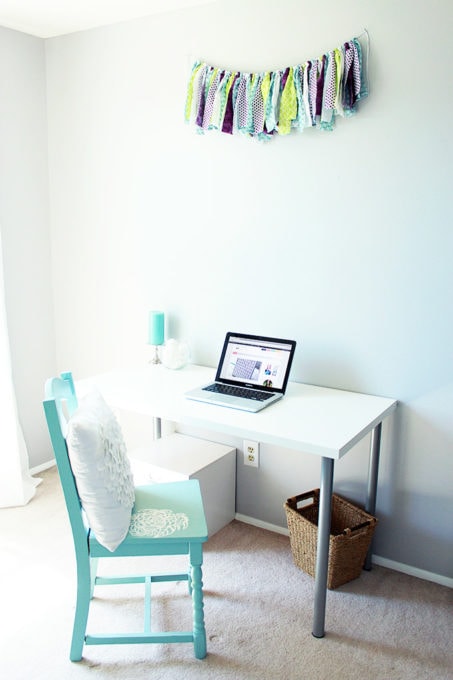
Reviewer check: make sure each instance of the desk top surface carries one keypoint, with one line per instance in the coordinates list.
(318, 420)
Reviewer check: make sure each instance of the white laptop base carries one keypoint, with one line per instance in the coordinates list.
(251, 405)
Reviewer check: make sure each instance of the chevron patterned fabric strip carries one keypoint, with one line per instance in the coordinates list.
(261, 105)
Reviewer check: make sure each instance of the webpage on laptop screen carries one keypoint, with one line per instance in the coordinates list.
(256, 362)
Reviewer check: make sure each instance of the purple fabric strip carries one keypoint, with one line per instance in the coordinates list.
(320, 86)
(229, 112)
(284, 79)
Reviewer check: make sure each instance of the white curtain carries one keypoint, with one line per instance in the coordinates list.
(17, 486)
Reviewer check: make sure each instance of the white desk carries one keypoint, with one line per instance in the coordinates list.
(317, 420)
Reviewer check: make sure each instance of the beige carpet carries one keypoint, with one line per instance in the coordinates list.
(258, 611)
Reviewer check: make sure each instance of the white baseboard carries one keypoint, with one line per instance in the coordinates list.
(44, 466)
(380, 561)
(261, 525)
(413, 571)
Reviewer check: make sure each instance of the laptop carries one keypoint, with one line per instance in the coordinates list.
(253, 372)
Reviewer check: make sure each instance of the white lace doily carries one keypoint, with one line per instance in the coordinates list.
(154, 523)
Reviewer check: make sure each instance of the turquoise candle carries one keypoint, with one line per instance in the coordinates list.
(156, 328)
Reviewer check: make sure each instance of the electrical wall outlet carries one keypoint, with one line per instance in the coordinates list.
(251, 453)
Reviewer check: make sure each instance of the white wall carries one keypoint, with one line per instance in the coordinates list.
(24, 224)
(342, 241)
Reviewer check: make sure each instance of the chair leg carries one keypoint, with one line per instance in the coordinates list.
(93, 571)
(84, 592)
(196, 584)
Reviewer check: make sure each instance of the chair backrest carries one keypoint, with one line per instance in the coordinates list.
(59, 404)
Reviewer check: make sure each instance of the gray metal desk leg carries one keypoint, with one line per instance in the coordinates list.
(322, 552)
(157, 423)
(370, 505)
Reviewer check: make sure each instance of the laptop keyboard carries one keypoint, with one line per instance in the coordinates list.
(256, 395)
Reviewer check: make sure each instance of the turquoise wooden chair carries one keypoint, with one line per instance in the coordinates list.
(59, 404)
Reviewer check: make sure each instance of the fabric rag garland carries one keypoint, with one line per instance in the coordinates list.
(264, 104)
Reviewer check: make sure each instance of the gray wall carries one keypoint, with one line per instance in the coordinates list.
(350, 230)
(24, 224)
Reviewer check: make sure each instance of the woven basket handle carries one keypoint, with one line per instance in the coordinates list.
(292, 502)
(351, 530)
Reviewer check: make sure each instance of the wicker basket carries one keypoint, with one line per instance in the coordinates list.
(350, 536)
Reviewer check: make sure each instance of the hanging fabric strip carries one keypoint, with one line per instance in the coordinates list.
(262, 105)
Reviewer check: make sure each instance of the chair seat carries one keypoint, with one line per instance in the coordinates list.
(183, 501)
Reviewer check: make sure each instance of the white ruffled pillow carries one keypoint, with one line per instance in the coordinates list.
(101, 468)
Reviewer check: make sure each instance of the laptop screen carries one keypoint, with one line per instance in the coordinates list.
(256, 361)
